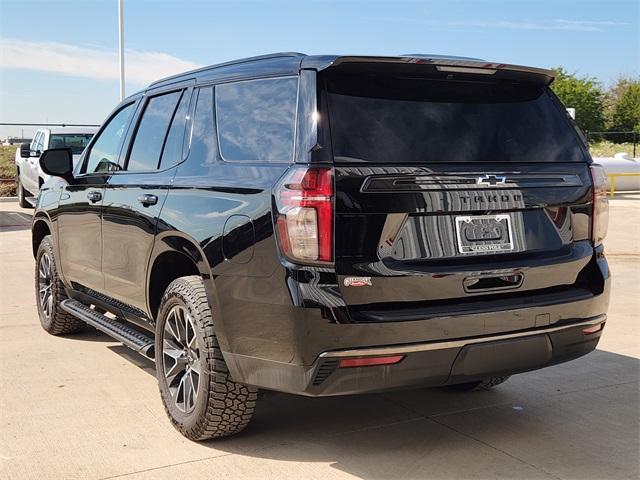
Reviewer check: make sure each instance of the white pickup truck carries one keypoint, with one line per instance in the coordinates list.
(29, 174)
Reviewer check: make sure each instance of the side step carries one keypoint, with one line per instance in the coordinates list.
(31, 201)
(123, 333)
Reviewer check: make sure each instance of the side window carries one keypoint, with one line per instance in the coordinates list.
(151, 132)
(104, 153)
(256, 119)
(202, 154)
(172, 151)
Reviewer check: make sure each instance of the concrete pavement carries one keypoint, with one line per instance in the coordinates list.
(85, 407)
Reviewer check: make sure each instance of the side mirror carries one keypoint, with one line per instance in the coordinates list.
(57, 162)
(25, 150)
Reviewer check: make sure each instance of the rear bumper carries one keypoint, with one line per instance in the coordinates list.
(297, 349)
(424, 364)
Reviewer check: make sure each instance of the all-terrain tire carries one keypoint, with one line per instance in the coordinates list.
(222, 406)
(22, 194)
(480, 385)
(57, 321)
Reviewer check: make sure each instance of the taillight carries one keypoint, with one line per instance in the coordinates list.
(600, 213)
(304, 222)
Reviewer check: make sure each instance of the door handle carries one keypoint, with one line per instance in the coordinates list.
(148, 199)
(94, 196)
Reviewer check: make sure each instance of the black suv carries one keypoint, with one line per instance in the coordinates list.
(329, 225)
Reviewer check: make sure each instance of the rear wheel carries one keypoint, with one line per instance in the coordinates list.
(485, 384)
(22, 194)
(50, 292)
(199, 396)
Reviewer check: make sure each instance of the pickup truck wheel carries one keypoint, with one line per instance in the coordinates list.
(485, 384)
(22, 194)
(50, 292)
(199, 396)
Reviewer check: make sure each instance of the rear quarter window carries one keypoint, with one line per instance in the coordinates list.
(256, 119)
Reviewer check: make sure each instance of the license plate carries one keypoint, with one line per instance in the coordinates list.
(484, 233)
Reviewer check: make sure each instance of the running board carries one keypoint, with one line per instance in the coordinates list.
(130, 337)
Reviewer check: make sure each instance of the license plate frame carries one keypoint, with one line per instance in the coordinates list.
(484, 234)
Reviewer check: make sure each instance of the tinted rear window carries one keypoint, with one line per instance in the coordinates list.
(385, 119)
(76, 141)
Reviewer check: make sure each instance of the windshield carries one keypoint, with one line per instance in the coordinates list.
(385, 118)
(76, 141)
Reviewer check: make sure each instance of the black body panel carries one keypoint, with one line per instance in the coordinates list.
(128, 232)
(79, 227)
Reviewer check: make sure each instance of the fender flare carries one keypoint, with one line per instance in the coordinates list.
(178, 242)
(41, 217)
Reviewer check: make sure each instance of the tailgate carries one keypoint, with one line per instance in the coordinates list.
(438, 234)
(454, 193)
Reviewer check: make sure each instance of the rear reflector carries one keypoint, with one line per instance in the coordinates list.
(593, 329)
(370, 362)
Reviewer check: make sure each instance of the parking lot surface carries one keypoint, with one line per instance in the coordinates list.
(86, 407)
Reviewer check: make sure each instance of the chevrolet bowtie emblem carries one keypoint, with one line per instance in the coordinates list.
(491, 180)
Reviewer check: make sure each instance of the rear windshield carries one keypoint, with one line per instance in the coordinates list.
(392, 119)
(75, 141)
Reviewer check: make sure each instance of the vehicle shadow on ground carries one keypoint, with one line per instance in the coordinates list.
(417, 433)
(140, 361)
(90, 334)
(14, 221)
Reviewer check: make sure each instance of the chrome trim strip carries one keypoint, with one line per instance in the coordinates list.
(467, 181)
(423, 347)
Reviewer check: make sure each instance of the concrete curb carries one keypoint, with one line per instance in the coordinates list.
(8, 199)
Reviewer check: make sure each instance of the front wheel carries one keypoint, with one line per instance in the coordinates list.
(50, 292)
(22, 194)
(198, 393)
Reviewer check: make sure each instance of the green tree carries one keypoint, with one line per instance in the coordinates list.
(584, 94)
(624, 106)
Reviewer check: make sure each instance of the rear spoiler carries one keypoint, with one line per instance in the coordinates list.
(441, 64)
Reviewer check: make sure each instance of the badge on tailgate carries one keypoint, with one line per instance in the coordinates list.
(484, 233)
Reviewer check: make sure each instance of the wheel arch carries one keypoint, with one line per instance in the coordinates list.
(176, 255)
(166, 267)
(41, 228)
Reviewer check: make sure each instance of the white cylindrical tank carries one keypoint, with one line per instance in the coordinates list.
(621, 163)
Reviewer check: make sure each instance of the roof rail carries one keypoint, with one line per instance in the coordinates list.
(225, 64)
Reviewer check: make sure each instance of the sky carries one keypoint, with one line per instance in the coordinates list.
(58, 60)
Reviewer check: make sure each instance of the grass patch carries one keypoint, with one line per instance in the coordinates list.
(8, 189)
(8, 169)
(7, 161)
(609, 149)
